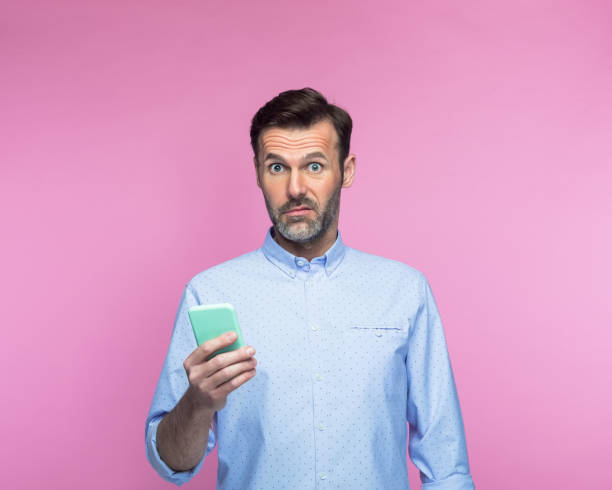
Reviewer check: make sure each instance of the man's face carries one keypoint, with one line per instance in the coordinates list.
(300, 168)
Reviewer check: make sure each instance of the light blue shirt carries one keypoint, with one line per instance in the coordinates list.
(350, 347)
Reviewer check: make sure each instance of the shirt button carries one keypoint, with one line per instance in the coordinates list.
(300, 262)
(379, 334)
(314, 327)
(323, 476)
(319, 377)
(321, 427)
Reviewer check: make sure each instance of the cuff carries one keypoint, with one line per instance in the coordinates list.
(453, 482)
(167, 473)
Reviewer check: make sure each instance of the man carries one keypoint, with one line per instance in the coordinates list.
(350, 345)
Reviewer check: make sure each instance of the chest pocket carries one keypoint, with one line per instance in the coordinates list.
(374, 346)
(375, 336)
(376, 330)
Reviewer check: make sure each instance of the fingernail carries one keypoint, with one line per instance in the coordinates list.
(231, 336)
(250, 351)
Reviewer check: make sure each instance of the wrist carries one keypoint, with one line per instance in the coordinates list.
(194, 407)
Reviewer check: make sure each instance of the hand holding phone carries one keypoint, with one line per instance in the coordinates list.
(219, 364)
(209, 321)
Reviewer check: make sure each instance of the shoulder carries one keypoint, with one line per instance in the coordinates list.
(244, 264)
(383, 266)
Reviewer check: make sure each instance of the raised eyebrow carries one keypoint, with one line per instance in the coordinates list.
(314, 154)
(273, 156)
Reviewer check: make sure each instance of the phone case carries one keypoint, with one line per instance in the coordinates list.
(210, 321)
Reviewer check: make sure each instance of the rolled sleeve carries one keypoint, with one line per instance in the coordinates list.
(453, 482)
(437, 444)
(171, 387)
(167, 473)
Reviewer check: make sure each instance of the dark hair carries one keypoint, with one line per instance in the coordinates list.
(301, 109)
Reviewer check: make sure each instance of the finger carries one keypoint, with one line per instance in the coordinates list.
(229, 386)
(203, 351)
(231, 371)
(225, 359)
(207, 368)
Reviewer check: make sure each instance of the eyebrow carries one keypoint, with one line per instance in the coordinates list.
(314, 154)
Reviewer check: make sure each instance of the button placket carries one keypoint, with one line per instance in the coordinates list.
(318, 335)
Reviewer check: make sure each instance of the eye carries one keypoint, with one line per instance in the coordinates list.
(272, 167)
(317, 166)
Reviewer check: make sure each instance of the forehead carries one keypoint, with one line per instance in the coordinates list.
(318, 137)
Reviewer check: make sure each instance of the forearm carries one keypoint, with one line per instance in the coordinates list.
(183, 433)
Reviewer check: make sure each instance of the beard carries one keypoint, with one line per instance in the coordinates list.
(301, 229)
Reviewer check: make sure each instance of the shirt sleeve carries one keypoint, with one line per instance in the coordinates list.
(437, 445)
(170, 389)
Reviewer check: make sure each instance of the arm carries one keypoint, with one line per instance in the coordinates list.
(180, 440)
(182, 433)
(437, 445)
(176, 429)
(169, 393)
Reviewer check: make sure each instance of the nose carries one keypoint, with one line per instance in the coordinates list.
(296, 188)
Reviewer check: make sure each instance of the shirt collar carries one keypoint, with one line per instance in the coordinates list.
(288, 262)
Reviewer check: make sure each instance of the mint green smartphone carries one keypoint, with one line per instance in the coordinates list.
(210, 321)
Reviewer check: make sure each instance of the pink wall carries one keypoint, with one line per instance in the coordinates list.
(483, 142)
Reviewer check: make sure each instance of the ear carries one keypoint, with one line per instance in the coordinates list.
(349, 170)
(257, 172)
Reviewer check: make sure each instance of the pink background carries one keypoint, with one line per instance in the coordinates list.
(483, 140)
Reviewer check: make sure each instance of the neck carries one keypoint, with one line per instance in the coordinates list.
(308, 250)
